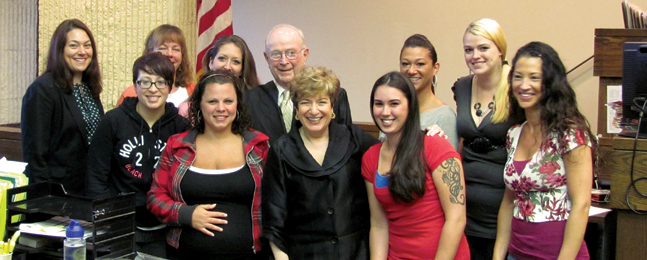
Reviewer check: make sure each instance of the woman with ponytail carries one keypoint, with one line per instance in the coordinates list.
(482, 123)
(419, 63)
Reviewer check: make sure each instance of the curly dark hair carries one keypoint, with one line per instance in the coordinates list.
(407, 176)
(558, 105)
(242, 121)
(59, 69)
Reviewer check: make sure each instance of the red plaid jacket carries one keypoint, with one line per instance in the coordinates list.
(165, 196)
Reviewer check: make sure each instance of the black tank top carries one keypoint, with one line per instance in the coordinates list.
(232, 190)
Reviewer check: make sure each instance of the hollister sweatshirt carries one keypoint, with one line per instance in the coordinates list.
(125, 152)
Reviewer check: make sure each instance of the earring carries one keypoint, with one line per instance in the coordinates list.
(333, 115)
(237, 116)
(198, 119)
(296, 117)
(433, 82)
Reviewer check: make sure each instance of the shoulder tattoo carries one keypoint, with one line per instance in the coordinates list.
(451, 176)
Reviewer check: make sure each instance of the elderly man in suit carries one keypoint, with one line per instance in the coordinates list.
(269, 106)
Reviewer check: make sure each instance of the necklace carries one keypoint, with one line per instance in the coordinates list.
(480, 112)
(477, 106)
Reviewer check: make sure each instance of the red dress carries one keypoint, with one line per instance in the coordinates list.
(414, 229)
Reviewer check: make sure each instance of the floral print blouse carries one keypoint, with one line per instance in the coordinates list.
(540, 188)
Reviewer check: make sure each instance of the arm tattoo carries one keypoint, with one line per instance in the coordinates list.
(451, 176)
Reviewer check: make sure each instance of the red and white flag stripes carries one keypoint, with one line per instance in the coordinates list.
(214, 20)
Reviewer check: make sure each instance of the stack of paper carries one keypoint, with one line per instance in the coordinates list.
(55, 227)
(11, 176)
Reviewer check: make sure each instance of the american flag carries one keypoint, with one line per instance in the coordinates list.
(214, 20)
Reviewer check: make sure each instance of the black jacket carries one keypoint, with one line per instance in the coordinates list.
(54, 135)
(313, 211)
(125, 152)
(263, 108)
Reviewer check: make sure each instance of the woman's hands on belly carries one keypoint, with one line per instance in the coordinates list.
(205, 220)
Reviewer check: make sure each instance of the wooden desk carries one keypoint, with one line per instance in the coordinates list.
(369, 127)
(620, 161)
(631, 233)
(600, 236)
(10, 143)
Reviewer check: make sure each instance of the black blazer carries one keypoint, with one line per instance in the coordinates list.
(54, 135)
(262, 106)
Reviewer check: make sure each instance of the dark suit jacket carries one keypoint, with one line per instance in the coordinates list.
(54, 135)
(262, 106)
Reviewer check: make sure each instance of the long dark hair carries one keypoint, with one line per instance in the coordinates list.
(419, 40)
(248, 74)
(60, 71)
(407, 176)
(558, 105)
(242, 121)
(170, 33)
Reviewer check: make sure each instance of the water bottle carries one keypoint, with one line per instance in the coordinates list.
(74, 244)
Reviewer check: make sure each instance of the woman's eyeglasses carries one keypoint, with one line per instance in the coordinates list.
(147, 84)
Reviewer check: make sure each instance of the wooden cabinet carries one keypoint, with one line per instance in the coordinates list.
(621, 161)
(617, 154)
(10, 143)
(631, 228)
(607, 64)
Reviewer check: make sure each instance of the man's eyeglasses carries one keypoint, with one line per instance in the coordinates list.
(290, 54)
(147, 84)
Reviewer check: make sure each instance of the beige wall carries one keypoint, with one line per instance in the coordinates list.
(120, 28)
(361, 39)
(18, 23)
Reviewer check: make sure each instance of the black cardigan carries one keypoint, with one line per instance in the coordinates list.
(54, 135)
(313, 211)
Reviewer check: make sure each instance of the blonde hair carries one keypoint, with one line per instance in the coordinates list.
(491, 30)
(315, 81)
